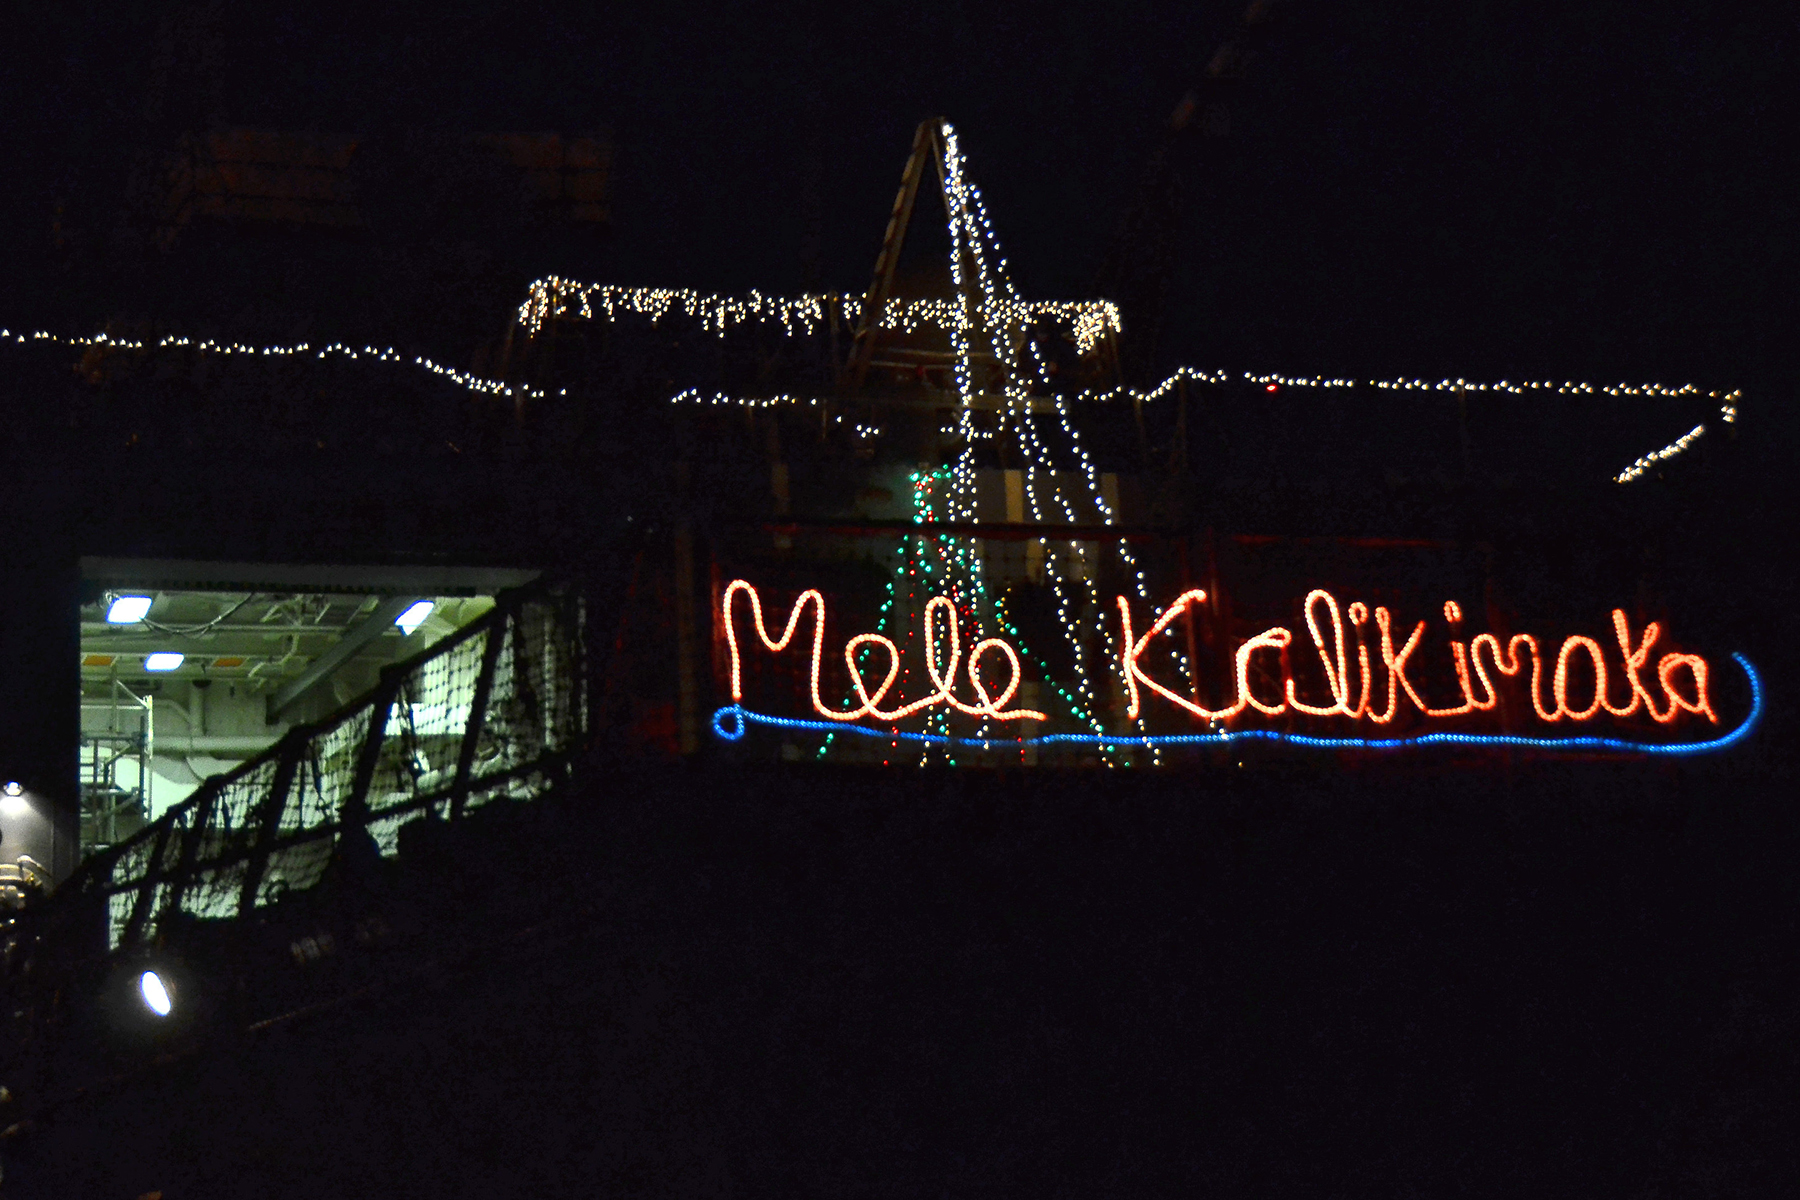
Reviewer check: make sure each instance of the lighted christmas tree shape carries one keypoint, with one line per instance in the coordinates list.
(996, 366)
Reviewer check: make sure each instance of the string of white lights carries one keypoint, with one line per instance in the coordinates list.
(972, 230)
(1000, 313)
(1443, 385)
(1667, 452)
(1727, 408)
(1004, 313)
(554, 297)
(961, 323)
(475, 383)
(695, 396)
(1728, 401)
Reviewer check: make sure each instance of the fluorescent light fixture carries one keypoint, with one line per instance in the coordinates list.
(162, 660)
(127, 610)
(156, 996)
(415, 616)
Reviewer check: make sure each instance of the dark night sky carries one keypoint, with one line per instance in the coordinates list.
(1518, 190)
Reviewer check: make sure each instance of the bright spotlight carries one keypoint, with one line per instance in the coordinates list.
(156, 996)
(415, 616)
(126, 610)
(162, 660)
(12, 787)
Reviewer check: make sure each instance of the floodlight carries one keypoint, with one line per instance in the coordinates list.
(156, 996)
(127, 610)
(162, 660)
(12, 787)
(415, 616)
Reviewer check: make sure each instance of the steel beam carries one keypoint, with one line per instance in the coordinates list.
(354, 639)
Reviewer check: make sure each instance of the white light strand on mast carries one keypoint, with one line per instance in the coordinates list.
(970, 227)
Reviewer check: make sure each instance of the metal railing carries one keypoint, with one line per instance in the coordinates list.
(496, 710)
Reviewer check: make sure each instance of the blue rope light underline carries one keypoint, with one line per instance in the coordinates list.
(741, 718)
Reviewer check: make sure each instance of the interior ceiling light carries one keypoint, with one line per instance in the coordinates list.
(415, 616)
(127, 610)
(163, 660)
(156, 996)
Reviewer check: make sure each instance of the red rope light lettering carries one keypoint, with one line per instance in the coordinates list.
(1537, 675)
(1337, 679)
(777, 645)
(1396, 665)
(1269, 639)
(1460, 654)
(988, 706)
(1132, 649)
(1475, 661)
(1561, 684)
(943, 680)
(1634, 662)
(1507, 664)
(1665, 672)
(1359, 616)
(870, 704)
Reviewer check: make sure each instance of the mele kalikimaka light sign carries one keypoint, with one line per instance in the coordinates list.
(1355, 679)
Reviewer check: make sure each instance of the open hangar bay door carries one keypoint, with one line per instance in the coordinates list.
(188, 668)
